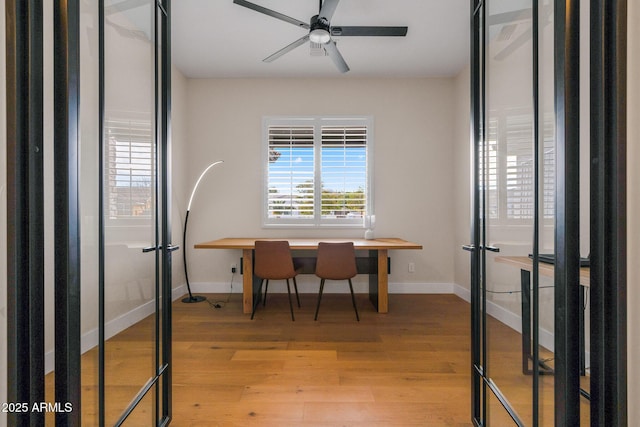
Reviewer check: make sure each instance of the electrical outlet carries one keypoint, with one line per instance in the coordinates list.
(412, 267)
(234, 268)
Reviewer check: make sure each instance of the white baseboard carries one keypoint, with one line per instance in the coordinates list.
(462, 292)
(421, 288)
(90, 339)
(512, 320)
(311, 287)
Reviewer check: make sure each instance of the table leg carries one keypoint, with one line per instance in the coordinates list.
(383, 282)
(525, 282)
(583, 370)
(379, 280)
(247, 281)
(527, 353)
(373, 278)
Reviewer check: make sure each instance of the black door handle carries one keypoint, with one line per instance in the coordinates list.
(472, 248)
(170, 248)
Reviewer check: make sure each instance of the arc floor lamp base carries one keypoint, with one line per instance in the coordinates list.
(194, 298)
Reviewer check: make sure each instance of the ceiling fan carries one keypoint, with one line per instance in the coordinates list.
(322, 32)
(509, 22)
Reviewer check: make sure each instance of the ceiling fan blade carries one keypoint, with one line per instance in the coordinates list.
(513, 46)
(328, 8)
(272, 13)
(129, 33)
(508, 17)
(124, 5)
(369, 31)
(336, 56)
(286, 49)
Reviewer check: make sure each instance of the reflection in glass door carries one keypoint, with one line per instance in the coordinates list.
(514, 128)
(134, 178)
(507, 178)
(531, 327)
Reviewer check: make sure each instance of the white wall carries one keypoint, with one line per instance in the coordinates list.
(413, 155)
(633, 217)
(462, 164)
(179, 169)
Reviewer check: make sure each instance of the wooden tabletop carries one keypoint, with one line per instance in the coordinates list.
(309, 243)
(378, 293)
(545, 269)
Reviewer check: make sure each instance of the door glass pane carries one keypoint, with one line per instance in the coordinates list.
(89, 210)
(129, 203)
(508, 174)
(144, 413)
(497, 414)
(546, 173)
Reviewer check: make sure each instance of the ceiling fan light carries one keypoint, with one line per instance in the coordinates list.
(320, 35)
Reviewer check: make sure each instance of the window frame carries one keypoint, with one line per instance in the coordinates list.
(317, 122)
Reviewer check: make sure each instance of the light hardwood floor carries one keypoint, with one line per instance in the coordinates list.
(409, 367)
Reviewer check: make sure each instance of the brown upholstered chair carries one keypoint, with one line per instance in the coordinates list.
(336, 261)
(273, 261)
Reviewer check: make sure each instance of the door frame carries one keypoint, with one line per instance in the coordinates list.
(25, 215)
(608, 232)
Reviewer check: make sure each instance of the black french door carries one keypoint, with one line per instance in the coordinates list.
(543, 192)
(90, 195)
(135, 269)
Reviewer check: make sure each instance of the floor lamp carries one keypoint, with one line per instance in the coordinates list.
(191, 298)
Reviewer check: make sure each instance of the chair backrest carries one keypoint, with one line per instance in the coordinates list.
(336, 261)
(273, 260)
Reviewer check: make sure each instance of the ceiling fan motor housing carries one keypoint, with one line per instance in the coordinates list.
(319, 31)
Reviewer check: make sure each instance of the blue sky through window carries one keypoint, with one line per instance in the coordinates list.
(343, 170)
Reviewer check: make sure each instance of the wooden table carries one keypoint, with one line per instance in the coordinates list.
(377, 268)
(525, 264)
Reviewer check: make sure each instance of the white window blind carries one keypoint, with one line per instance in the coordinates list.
(509, 168)
(344, 171)
(549, 166)
(519, 167)
(291, 185)
(490, 174)
(318, 171)
(130, 169)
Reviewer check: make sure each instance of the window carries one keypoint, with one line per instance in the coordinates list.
(318, 171)
(510, 169)
(129, 169)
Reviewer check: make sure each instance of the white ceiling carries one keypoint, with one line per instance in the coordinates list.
(219, 39)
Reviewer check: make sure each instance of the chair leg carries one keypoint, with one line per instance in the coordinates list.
(255, 303)
(353, 299)
(266, 289)
(295, 286)
(319, 298)
(290, 303)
